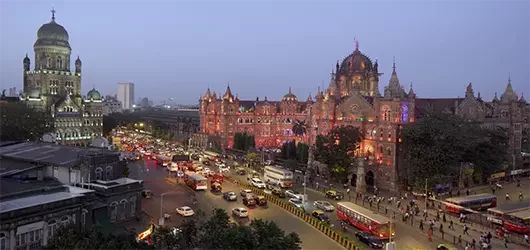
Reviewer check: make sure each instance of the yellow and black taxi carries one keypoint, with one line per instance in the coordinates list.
(232, 223)
(216, 187)
(320, 215)
(334, 194)
(446, 246)
(278, 191)
(249, 201)
(260, 200)
(147, 194)
(241, 171)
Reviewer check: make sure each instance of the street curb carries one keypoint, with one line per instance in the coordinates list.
(338, 237)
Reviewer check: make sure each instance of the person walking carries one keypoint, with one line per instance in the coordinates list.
(451, 226)
(421, 225)
(507, 196)
(465, 229)
(429, 236)
(505, 240)
(520, 195)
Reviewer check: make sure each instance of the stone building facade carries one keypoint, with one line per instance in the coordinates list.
(52, 86)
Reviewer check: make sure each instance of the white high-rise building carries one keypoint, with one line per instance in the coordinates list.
(126, 95)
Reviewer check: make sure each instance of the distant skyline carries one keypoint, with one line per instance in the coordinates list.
(177, 49)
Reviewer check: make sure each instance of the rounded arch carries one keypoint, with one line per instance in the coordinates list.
(389, 151)
(369, 178)
(113, 210)
(123, 209)
(99, 172)
(132, 206)
(108, 173)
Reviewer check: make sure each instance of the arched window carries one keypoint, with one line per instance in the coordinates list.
(380, 149)
(59, 62)
(84, 212)
(65, 221)
(388, 151)
(123, 209)
(52, 227)
(48, 62)
(98, 173)
(108, 173)
(133, 206)
(113, 211)
(4, 241)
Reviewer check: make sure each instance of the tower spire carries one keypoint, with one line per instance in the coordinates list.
(53, 14)
(356, 43)
(394, 65)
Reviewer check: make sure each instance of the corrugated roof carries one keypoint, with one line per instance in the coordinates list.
(15, 204)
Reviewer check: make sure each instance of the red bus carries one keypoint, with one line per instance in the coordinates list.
(366, 220)
(475, 202)
(496, 214)
(195, 181)
(518, 221)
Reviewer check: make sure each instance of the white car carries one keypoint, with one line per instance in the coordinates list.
(256, 182)
(206, 170)
(246, 192)
(185, 211)
(294, 194)
(240, 212)
(224, 168)
(296, 202)
(324, 205)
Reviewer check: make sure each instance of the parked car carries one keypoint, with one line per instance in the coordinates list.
(185, 211)
(369, 239)
(240, 212)
(324, 205)
(294, 194)
(230, 196)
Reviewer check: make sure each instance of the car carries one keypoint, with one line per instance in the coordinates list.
(260, 200)
(446, 247)
(240, 212)
(252, 175)
(278, 191)
(206, 170)
(224, 168)
(334, 194)
(249, 201)
(320, 215)
(324, 205)
(246, 192)
(369, 239)
(241, 171)
(296, 202)
(294, 194)
(185, 211)
(256, 182)
(230, 196)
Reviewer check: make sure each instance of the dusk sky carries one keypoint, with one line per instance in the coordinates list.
(180, 48)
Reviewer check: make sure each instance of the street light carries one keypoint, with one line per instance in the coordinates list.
(161, 219)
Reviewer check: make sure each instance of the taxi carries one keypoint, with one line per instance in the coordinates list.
(216, 187)
(446, 246)
(320, 215)
(147, 194)
(334, 194)
(240, 171)
(232, 223)
(260, 200)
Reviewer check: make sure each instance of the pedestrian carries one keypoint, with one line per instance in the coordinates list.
(458, 193)
(443, 218)
(465, 230)
(411, 220)
(451, 226)
(505, 240)
(473, 244)
(467, 192)
(467, 247)
(507, 196)
(493, 190)
(421, 225)
(442, 232)
(526, 238)
(429, 236)
(460, 240)
(386, 209)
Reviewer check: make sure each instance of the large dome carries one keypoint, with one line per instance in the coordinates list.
(356, 62)
(93, 95)
(52, 33)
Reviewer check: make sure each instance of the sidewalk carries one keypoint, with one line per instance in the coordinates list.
(475, 230)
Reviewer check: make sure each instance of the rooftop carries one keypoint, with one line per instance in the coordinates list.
(15, 204)
(113, 183)
(10, 166)
(49, 153)
(13, 186)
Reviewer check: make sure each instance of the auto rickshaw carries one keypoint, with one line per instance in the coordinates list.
(260, 200)
(147, 194)
(216, 187)
(334, 194)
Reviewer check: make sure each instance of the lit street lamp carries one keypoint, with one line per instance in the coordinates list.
(161, 219)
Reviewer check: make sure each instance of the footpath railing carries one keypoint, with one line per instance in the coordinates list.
(325, 228)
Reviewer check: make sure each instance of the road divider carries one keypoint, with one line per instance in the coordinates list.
(325, 228)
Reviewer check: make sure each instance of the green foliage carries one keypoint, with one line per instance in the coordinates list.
(71, 238)
(337, 149)
(126, 172)
(244, 141)
(289, 150)
(21, 122)
(436, 145)
(252, 158)
(217, 233)
(302, 152)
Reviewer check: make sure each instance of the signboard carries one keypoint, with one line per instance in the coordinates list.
(497, 175)
(147, 232)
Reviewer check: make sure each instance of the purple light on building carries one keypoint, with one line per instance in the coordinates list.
(404, 112)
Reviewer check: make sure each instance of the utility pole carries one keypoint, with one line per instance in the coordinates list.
(305, 188)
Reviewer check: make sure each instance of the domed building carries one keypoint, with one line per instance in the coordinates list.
(52, 86)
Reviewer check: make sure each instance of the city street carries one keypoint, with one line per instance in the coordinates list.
(177, 195)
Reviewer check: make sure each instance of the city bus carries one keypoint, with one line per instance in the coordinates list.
(366, 220)
(475, 202)
(496, 214)
(163, 160)
(180, 161)
(518, 221)
(279, 176)
(195, 181)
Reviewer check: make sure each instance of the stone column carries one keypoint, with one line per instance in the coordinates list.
(360, 183)
(12, 239)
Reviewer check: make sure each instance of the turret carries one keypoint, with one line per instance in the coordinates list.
(411, 94)
(27, 63)
(228, 94)
(469, 91)
(509, 95)
(522, 100)
(78, 65)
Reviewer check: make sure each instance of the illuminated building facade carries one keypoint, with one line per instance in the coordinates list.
(53, 87)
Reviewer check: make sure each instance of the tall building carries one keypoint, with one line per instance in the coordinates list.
(53, 87)
(353, 98)
(126, 95)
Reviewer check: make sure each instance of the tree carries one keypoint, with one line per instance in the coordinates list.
(302, 152)
(299, 128)
(244, 141)
(71, 238)
(252, 158)
(21, 122)
(126, 172)
(217, 233)
(437, 145)
(337, 149)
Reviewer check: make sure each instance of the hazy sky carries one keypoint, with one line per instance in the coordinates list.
(179, 48)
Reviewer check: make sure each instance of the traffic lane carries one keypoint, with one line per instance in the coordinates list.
(145, 169)
(311, 237)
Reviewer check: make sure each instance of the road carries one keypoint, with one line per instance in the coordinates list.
(177, 196)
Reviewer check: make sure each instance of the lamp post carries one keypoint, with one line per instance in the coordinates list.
(161, 219)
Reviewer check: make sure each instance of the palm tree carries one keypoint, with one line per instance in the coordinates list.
(299, 128)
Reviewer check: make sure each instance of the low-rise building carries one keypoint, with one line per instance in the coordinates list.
(111, 105)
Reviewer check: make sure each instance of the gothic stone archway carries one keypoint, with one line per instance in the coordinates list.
(369, 178)
(353, 181)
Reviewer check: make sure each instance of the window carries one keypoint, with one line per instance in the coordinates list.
(4, 243)
(65, 221)
(113, 211)
(48, 62)
(98, 173)
(52, 227)
(84, 212)
(380, 149)
(59, 62)
(388, 151)
(108, 172)
(133, 206)
(123, 207)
